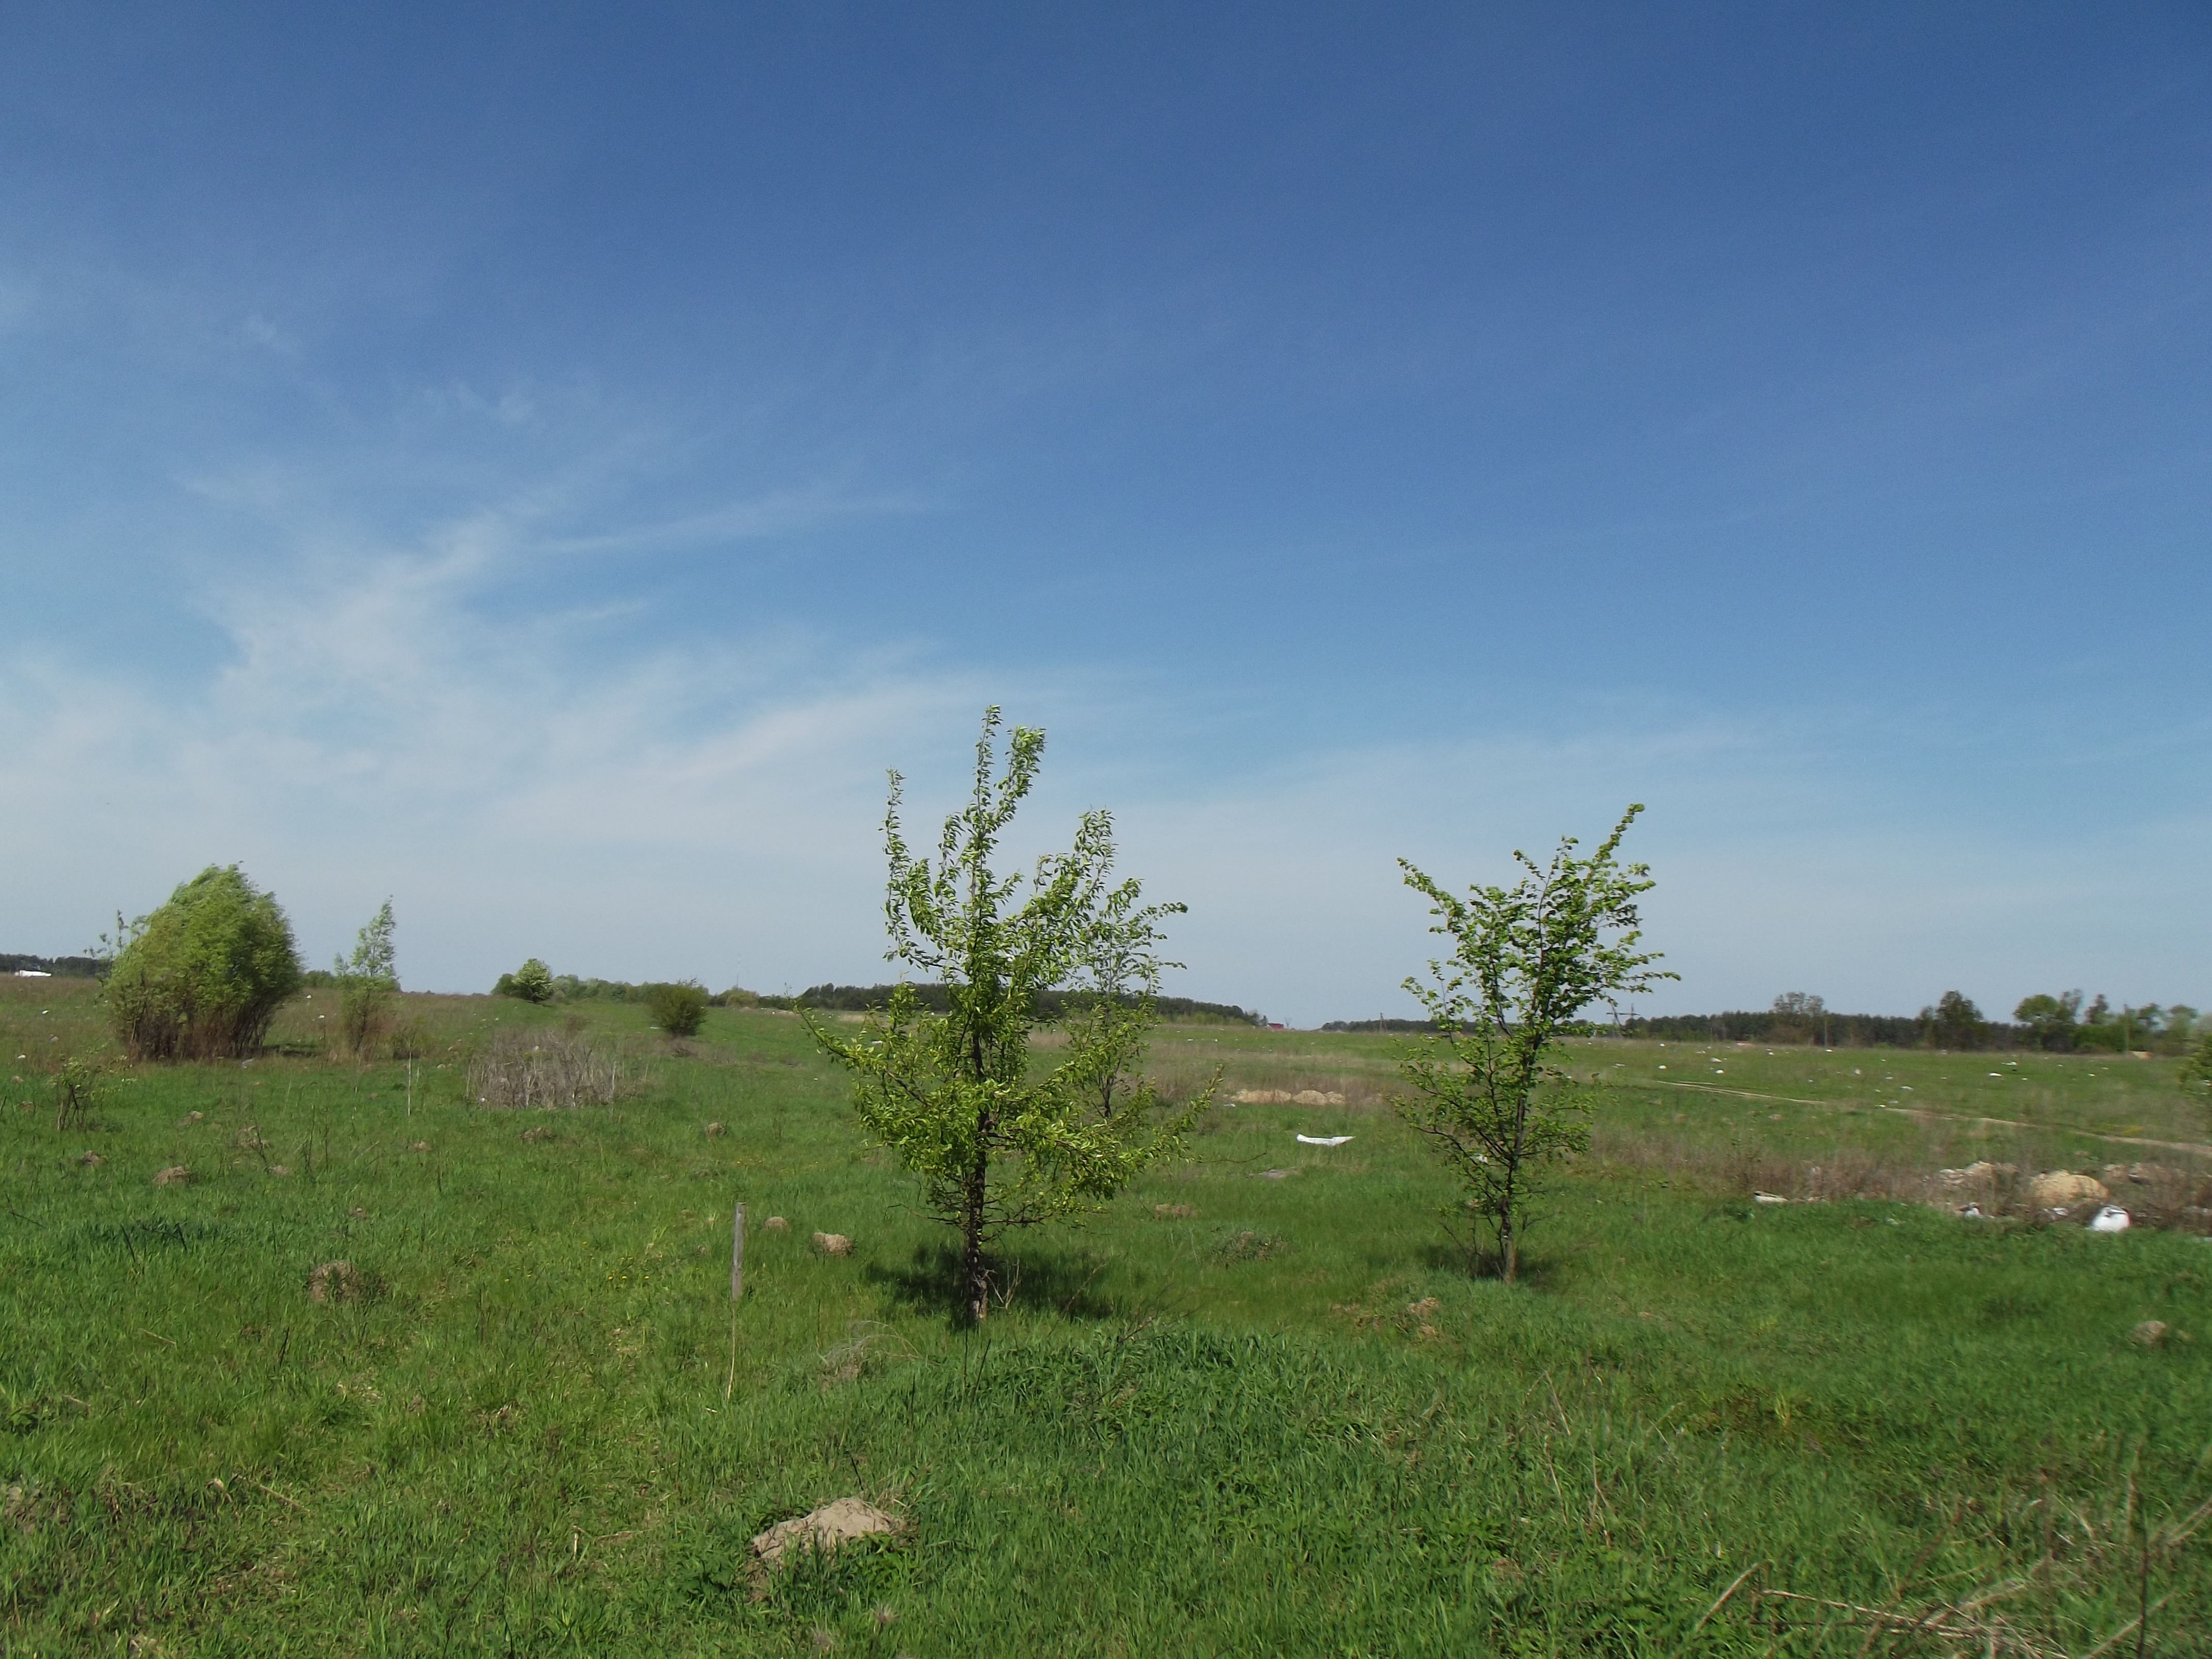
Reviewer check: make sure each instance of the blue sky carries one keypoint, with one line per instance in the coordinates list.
(545, 463)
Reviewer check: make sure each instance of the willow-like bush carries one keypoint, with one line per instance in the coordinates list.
(201, 977)
(679, 1009)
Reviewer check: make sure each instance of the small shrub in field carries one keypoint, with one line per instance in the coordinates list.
(532, 983)
(201, 977)
(679, 1009)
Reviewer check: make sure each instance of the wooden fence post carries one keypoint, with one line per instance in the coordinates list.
(737, 1291)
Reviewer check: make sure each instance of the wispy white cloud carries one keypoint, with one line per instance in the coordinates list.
(782, 513)
(387, 719)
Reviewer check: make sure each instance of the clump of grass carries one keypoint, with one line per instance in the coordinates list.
(337, 1281)
(1246, 1245)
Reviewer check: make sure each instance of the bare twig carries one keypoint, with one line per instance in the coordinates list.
(1734, 1585)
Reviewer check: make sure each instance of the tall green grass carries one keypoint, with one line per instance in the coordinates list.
(1256, 1408)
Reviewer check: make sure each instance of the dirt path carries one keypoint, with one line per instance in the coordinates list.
(2190, 1146)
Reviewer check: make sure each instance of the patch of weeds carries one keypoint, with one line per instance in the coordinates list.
(1247, 1246)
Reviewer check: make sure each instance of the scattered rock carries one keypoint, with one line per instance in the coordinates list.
(777, 1224)
(2111, 1219)
(175, 1175)
(833, 1243)
(1317, 1098)
(2058, 1189)
(823, 1529)
(336, 1281)
(420, 1146)
(715, 1132)
(2140, 1174)
(2148, 1334)
(1286, 1097)
(91, 1159)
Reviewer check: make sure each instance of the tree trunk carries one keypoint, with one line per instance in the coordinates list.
(974, 1277)
(1509, 1248)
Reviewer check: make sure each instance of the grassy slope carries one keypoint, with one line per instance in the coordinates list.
(1244, 1428)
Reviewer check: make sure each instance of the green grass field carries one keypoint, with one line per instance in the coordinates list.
(1257, 1408)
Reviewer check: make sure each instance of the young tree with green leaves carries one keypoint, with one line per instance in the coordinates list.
(2197, 1069)
(998, 1142)
(2051, 1020)
(1953, 1022)
(532, 983)
(367, 980)
(1525, 961)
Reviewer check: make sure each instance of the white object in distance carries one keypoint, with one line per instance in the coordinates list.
(1768, 1198)
(2111, 1219)
(1324, 1140)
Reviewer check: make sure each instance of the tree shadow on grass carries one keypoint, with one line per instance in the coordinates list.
(1537, 1271)
(1037, 1279)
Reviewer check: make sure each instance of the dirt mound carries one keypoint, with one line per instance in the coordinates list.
(824, 1529)
(2059, 1190)
(1286, 1097)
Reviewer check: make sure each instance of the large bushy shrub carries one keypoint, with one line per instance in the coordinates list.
(201, 977)
(679, 1009)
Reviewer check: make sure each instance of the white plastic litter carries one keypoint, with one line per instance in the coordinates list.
(2111, 1219)
(1768, 1198)
(1324, 1140)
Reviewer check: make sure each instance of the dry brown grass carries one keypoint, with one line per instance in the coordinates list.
(2153, 1194)
(576, 1066)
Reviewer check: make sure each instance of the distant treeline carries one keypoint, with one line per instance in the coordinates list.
(568, 988)
(2058, 1024)
(1828, 1031)
(1839, 1031)
(1050, 1004)
(59, 967)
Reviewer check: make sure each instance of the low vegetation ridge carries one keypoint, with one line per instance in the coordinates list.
(1047, 1004)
